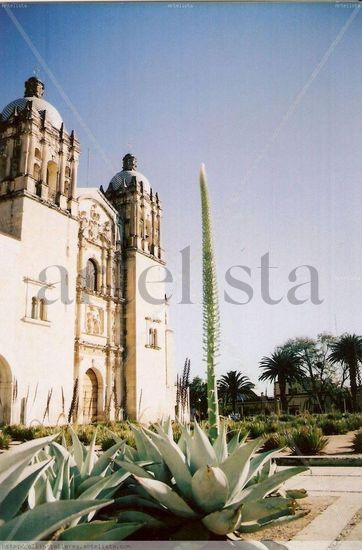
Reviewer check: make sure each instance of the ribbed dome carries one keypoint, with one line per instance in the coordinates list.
(52, 115)
(124, 178)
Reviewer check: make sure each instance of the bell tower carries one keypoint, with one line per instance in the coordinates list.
(139, 208)
(147, 362)
(37, 155)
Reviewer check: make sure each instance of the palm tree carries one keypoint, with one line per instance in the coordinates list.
(284, 366)
(232, 384)
(348, 352)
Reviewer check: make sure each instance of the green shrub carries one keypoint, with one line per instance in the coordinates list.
(357, 443)
(334, 416)
(5, 440)
(18, 432)
(333, 427)
(307, 441)
(256, 429)
(353, 421)
(274, 441)
(286, 417)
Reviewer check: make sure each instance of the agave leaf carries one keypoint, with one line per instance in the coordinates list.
(78, 449)
(135, 516)
(15, 498)
(166, 496)
(175, 460)
(9, 480)
(200, 450)
(89, 482)
(66, 490)
(13, 462)
(182, 444)
(167, 426)
(46, 518)
(223, 522)
(129, 452)
(25, 450)
(58, 484)
(90, 458)
(107, 482)
(260, 490)
(61, 452)
(87, 531)
(220, 445)
(64, 441)
(48, 492)
(141, 447)
(234, 443)
(266, 509)
(121, 532)
(236, 467)
(133, 468)
(251, 527)
(258, 461)
(210, 488)
(101, 466)
(152, 450)
(137, 502)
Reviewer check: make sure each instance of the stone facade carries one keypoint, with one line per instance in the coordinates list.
(84, 329)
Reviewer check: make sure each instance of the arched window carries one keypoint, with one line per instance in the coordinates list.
(37, 154)
(52, 173)
(155, 342)
(34, 308)
(42, 310)
(36, 172)
(91, 277)
(150, 337)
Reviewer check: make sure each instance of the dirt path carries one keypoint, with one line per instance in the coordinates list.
(339, 444)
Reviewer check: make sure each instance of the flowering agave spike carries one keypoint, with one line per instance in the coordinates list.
(211, 318)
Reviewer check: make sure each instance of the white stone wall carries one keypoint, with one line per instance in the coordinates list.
(148, 396)
(40, 353)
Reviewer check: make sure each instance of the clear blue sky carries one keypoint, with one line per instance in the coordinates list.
(211, 83)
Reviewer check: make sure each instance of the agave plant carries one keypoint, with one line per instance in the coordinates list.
(203, 489)
(18, 473)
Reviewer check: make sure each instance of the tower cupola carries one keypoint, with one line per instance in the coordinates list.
(131, 194)
(37, 153)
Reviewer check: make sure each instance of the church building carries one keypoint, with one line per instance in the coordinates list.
(84, 330)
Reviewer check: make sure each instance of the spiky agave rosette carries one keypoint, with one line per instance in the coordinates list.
(221, 488)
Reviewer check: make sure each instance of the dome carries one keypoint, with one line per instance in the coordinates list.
(34, 90)
(52, 115)
(125, 177)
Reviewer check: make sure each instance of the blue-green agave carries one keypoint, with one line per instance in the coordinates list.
(222, 488)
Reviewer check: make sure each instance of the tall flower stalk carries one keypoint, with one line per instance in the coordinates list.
(211, 317)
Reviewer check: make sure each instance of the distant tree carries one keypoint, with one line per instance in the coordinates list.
(198, 396)
(231, 385)
(321, 381)
(285, 367)
(347, 351)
